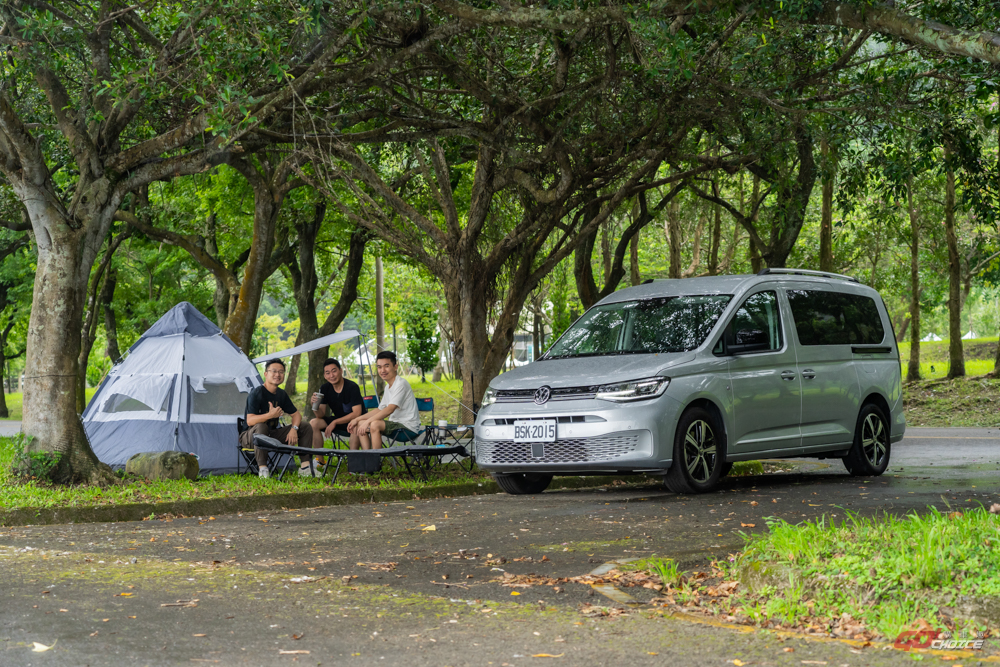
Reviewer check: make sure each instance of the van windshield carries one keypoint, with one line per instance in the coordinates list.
(666, 324)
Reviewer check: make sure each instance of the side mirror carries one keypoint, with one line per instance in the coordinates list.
(749, 340)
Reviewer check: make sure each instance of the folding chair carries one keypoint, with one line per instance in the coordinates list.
(247, 455)
(403, 436)
(371, 402)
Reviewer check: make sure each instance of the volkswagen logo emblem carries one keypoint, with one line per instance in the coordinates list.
(542, 395)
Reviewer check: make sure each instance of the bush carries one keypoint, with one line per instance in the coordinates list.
(27, 465)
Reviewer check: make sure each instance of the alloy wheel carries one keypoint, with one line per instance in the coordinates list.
(873, 440)
(699, 451)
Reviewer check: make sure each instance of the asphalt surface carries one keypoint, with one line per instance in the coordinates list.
(416, 583)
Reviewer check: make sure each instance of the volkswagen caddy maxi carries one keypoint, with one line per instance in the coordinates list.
(680, 378)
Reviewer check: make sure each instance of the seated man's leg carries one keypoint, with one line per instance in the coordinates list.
(354, 441)
(367, 439)
(378, 428)
(246, 439)
(317, 424)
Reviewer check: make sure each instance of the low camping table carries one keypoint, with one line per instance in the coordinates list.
(362, 460)
(451, 435)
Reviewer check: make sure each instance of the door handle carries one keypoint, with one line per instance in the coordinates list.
(808, 374)
(788, 375)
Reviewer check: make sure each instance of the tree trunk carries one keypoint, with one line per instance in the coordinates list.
(755, 262)
(713, 254)
(293, 370)
(50, 373)
(633, 258)
(913, 366)
(674, 238)
(956, 358)
(112, 350)
(606, 251)
(826, 215)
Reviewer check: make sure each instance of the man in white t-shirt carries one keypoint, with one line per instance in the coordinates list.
(398, 402)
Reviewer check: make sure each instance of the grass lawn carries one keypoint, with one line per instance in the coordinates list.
(14, 493)
(859, 578)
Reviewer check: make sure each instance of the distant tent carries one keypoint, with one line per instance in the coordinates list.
(181, 387)
(970, 335)
(930, 337)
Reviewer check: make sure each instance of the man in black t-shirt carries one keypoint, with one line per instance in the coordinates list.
(340, 401)
(265, 406)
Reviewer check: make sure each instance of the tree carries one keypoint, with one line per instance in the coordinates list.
(420, 317)
(105, 100)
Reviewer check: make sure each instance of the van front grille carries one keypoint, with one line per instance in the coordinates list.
(570, 450)
(556, 394)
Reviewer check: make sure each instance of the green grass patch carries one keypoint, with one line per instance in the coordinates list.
(34, 494)
(961, 402)
(877, 575)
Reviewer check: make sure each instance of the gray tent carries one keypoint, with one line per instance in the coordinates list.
(181, 387)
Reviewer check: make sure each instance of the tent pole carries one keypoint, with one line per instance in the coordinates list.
(361, 366)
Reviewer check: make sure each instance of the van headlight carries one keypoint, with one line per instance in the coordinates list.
(636, 390)
(490, 397)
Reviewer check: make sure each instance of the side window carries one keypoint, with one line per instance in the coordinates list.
(835, 318)
(757, 326)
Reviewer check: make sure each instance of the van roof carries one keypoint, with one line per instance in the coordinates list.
(721, 285)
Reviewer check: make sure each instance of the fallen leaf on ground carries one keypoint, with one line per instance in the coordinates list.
(430, 527)
(299, 636)
(547, 655)
(748, 525)
(738, 662)
(995, 508)
(41, 648)
(788, 649)
(283, 652)
(201, 635)
(753, 503)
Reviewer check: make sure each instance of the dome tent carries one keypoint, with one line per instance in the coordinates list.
(181, 387)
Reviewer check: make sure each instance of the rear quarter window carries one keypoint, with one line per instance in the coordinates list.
(835, 318)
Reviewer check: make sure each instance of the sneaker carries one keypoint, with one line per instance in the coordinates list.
(264, 472)
(305, 471)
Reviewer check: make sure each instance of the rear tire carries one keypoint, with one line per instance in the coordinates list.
(521, 483)
(699, 453)
(869, 455)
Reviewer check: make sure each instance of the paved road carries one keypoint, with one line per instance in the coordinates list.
(428, 597)
(10, 427)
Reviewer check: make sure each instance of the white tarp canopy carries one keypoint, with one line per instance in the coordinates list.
(323, 341)
(930, 338)
(970, 335)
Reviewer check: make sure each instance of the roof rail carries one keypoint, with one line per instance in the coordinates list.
(808, 272)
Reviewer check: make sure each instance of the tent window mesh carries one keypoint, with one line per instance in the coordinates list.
(123, 403)
(219, 399)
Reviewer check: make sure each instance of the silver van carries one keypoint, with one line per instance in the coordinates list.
(680, 378)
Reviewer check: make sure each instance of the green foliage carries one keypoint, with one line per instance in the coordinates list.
(910, 564)
(25, 465)
(420, 316)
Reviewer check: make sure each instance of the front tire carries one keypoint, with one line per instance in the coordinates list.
(522, 483)
(699, 453)
(869, 455)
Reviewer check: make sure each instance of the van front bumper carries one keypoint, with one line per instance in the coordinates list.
(592, 437)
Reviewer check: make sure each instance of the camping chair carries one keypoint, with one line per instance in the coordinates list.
(371, 402)
(247, 455)
(405, 435)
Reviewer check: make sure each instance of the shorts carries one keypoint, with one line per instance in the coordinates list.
(391, 427)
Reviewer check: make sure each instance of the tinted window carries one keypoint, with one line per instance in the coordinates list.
(668, 324)
(757, 320)
(834, 318)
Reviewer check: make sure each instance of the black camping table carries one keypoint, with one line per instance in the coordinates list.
(362, 460)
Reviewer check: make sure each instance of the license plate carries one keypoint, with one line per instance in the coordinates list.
(535, 430)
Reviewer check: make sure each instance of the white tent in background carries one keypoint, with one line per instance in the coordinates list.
(930, 338)
(970, 335)
(181, 387)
